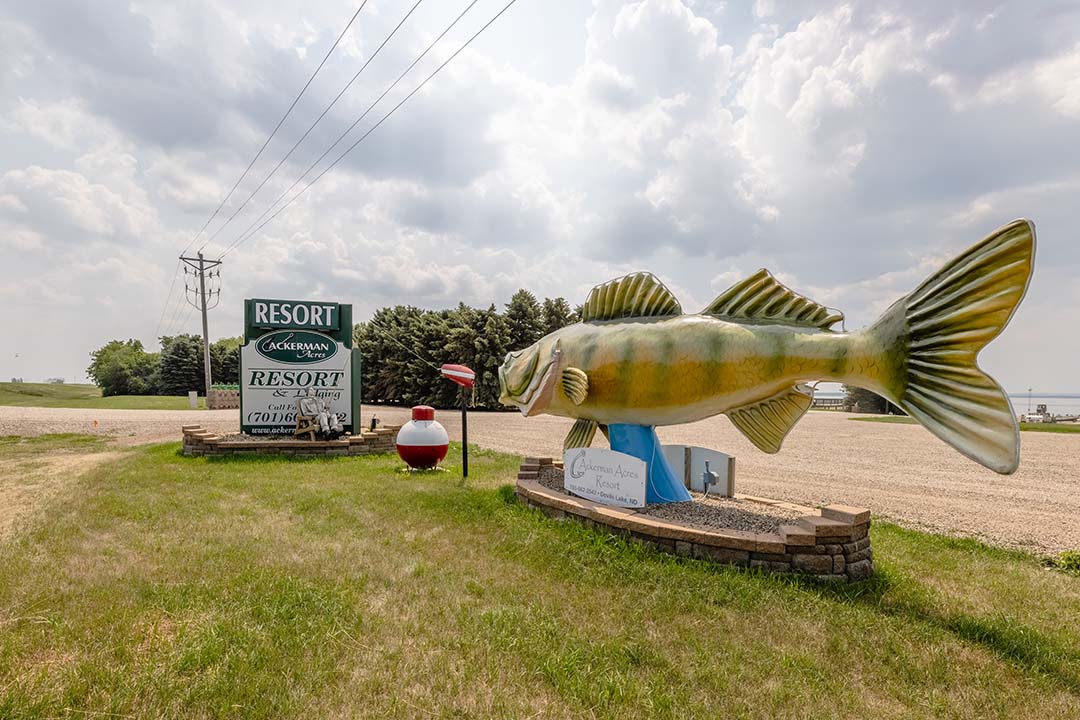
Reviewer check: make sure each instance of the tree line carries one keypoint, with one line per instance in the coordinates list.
(124, 367)
(401, 349)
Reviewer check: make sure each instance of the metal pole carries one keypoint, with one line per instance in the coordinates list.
(205, 330)
(464, 433)
(200, 265)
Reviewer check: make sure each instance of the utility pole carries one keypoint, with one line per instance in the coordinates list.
(200, 266)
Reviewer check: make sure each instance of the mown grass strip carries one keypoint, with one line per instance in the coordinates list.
(68, 395)
(267, 587)
(1024, 426)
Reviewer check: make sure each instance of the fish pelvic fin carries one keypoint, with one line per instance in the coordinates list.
(930, 340)
(581, 435)
(768, 422)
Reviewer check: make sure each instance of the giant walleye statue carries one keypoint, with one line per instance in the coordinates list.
(636, 359)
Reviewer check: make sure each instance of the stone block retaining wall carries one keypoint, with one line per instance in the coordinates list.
(199, 442)
(832, 543)
(223, 399)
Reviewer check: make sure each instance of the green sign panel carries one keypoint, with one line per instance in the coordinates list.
(295, 314)
(291, 346)
(296, 347)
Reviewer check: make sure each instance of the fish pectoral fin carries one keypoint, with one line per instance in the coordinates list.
(762, 298)
(768, 422)
(581, 435)
(639, 294)
(575, 383)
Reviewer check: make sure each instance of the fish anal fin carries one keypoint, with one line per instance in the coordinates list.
(581, 435)
(575, 384)
(762, 298)
(768, 422)
(639, 294)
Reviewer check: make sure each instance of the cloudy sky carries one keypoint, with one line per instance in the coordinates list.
(850, 148)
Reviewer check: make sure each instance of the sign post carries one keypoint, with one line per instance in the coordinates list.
(289, 347)
(464, 377)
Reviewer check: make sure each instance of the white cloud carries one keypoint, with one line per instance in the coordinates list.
(847, 147)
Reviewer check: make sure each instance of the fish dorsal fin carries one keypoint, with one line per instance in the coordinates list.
(768, 422)
(639, 294)
(762, 298)
(581, 435)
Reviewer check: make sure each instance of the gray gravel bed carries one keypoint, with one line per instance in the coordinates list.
(705, 513)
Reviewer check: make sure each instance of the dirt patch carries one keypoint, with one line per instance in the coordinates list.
(29, 485)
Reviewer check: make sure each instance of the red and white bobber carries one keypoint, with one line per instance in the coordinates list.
(422, 442)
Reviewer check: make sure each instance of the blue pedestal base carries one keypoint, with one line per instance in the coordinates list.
(662, 485)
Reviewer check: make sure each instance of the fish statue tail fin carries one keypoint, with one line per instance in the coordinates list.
(931, 337)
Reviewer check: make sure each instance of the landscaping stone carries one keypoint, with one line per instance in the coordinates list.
(860, 570)
(814, 564)
(827, 548)
(199, 443)
(721, 555)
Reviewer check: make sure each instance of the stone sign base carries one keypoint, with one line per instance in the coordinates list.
(832, 543)
(198, 442)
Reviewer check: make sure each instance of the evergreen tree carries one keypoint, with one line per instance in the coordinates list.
(225, 360)
(181, 367)
(492, 343)
(556, 314)
(397, 355)
(524, 319)
(402, 348)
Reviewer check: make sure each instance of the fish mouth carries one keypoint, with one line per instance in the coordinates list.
(527, 377)
(537, 393)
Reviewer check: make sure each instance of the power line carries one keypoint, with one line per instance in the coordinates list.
(179, 312)
(168, 298)
(276, 128)
(180, 305)
(183, 310)
(350, 128)
(372, 129)
(408, 349)
(308, 131)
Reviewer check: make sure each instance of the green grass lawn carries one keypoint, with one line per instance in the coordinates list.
(164, 586)
(14, 446)
(85, 396)
(1029, 427)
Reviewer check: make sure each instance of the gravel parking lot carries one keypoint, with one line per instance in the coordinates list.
(898, 471)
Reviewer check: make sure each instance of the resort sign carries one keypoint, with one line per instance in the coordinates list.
(605, 476)
(289, 347)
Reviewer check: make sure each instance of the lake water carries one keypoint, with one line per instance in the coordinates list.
(1056, 403)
